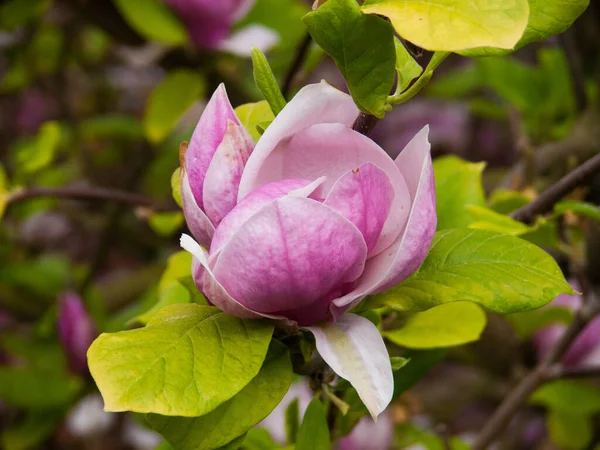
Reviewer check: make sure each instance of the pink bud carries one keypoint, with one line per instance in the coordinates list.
(75, 329)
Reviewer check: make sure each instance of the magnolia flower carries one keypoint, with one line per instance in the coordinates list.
(585, 350)
(75, 329)
(305, 225)
(209, 24)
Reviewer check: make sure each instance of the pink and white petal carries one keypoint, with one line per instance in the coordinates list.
(206, 138)
(252, 203)
(354, 349)
(315, 103)
(332, 150)
(222, 178)
(291, 253)
(210, 287)
(242, 41)
(198, 223)
(405, 255)
(364, 197)
(242, 8)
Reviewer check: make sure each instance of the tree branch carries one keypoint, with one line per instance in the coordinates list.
(547, 199)
(90, 194)
(301, 52)
(545, 371)
(365, 123)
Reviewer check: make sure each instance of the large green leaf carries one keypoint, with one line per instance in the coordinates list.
(252, 114)
(570, 396)
(503, 273)
(314, 432)
(235, 417)
(169, 100)
(362, 47)
(570, 431)
(457, 184)
(153, 20)
(451, 25)
(445, 325)
(487, 219)
(187, 361)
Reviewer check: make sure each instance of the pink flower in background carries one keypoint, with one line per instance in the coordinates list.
(210, 24)
(369, 435)
(305, 225)
(586, 348)
(75, 329)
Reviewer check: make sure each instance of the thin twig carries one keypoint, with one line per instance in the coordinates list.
(547, 199)
(89, 194)
(560, 372)
(545, 371)
(301, 52)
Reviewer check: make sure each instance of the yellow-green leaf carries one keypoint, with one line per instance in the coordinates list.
(452, 25)
(253, 114)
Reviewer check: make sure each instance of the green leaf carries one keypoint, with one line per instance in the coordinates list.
(111, 126)
(362, 47)
(406, 66)
(153, 20)
(166, 223)
(175, 293)
(488, 219)
(187, 361)
(504, 201)
(252, 114)
(17, 13)
(442, 326)
(569, 396)
(570, 431)
(458, 24)
(503, 273)
(459, 82)
(266, 82)
(235, 417)
(314, 432)
(584, 209)
(40, 152)
(36, 389)
(176, 186)
(259, 439)
(398, 362)
(292, 421)
(178, 267)
(169, 100)
(457, 184)
(4, 194)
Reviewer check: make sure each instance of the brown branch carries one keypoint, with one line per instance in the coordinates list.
(364, 123)
(545, 371)
(301, 52)
(547, 199)
(90, 194)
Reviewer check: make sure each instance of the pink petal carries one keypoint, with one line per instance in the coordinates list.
(206, 138)
(209, 286)
(242, 41)
(407, 253)
(364, 197)
(222, 178)
(251, 204)
(290, 254)
(334, 149)
(354, 349)
(199, 225)
(315, 103)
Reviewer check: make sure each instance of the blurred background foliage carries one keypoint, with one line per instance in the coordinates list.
(99, 94)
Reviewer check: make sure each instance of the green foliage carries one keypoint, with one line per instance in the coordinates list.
(259, 439)
(457, 184)
(487, 219)
(40, 152)
(169, 100)
(503, 273)
(253, 114)
(362, 47)
(235, 417)
(419, 364)
(176, 187)
(527, 323)
(584, 209)
(406, 66)
(266, 82)
(445, 325)
(187, 361)
(111, 126)
(314, 432)
(16, 13)
(37, 389)
(570, 431)
(153, 20)
(292, 421)
(166, 223)
(498, 23)
(30, 433)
